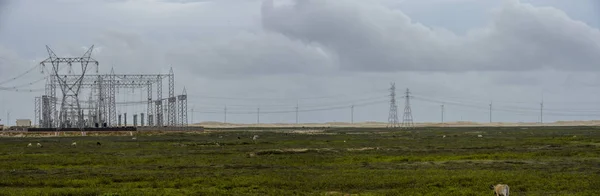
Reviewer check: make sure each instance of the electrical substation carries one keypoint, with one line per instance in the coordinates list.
(77, 100)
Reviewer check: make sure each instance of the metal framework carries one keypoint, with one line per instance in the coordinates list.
(172, 110)
(407, 121)
(99, 109)
(37, 120)
(70, 114)
(182, 99)
(393, 114)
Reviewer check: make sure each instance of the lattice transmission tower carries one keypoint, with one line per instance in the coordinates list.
(71, 113)
(183, 111)
(393, 115)
(172, 101)
(407, 119)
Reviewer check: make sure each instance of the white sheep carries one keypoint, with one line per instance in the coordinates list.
(74, 144)
(444, 136)
(500, 189)
(29, 145)
(480, 136)
(255, 138)
(39, 145)
(134, 138)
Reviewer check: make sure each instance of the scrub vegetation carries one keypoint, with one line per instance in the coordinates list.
(328, 161)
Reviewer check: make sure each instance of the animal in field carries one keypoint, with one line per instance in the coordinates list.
(74, 144)
(479, 136)
(29, 145)
(39, 145)
(500, 189)
(255, 138)
(98, 144)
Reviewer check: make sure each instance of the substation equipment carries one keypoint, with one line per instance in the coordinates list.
(89, 100)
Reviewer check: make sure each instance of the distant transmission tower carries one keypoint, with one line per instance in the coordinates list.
(393, 116)
(407, 120)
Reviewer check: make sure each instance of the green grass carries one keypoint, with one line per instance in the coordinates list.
(533, 161)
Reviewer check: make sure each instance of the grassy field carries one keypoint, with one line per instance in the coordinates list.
(533, 161)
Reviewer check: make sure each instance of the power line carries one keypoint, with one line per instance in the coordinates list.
(22, 90)
(292, 106)
(17, 88)
(299, 110)
(300, 98)
(515, 110)
(20, 75)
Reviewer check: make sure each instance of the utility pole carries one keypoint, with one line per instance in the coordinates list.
(542, 112)
(258, 115)
(352, 114)
(296, 112)
(225, 114)
(442, 113)
(542, 109)
(192, 114)
(490, 112)
(8, 119)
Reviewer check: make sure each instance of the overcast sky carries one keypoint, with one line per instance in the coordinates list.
(324, 55)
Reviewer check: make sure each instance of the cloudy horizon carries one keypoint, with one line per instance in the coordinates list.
(324, 55)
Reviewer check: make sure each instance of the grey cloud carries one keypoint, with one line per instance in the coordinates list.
(3, 5)
(186, 1)
(253, 54)
(129, 52)
(367, 37)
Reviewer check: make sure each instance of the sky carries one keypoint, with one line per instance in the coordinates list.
(323, 56)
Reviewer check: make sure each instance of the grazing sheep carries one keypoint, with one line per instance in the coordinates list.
(500, 189)
(29, 145)
(39, 145)
(480, 136)
(444, 136)
(134, 138)
(255, 137)
(98, 144)
(74, 144)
